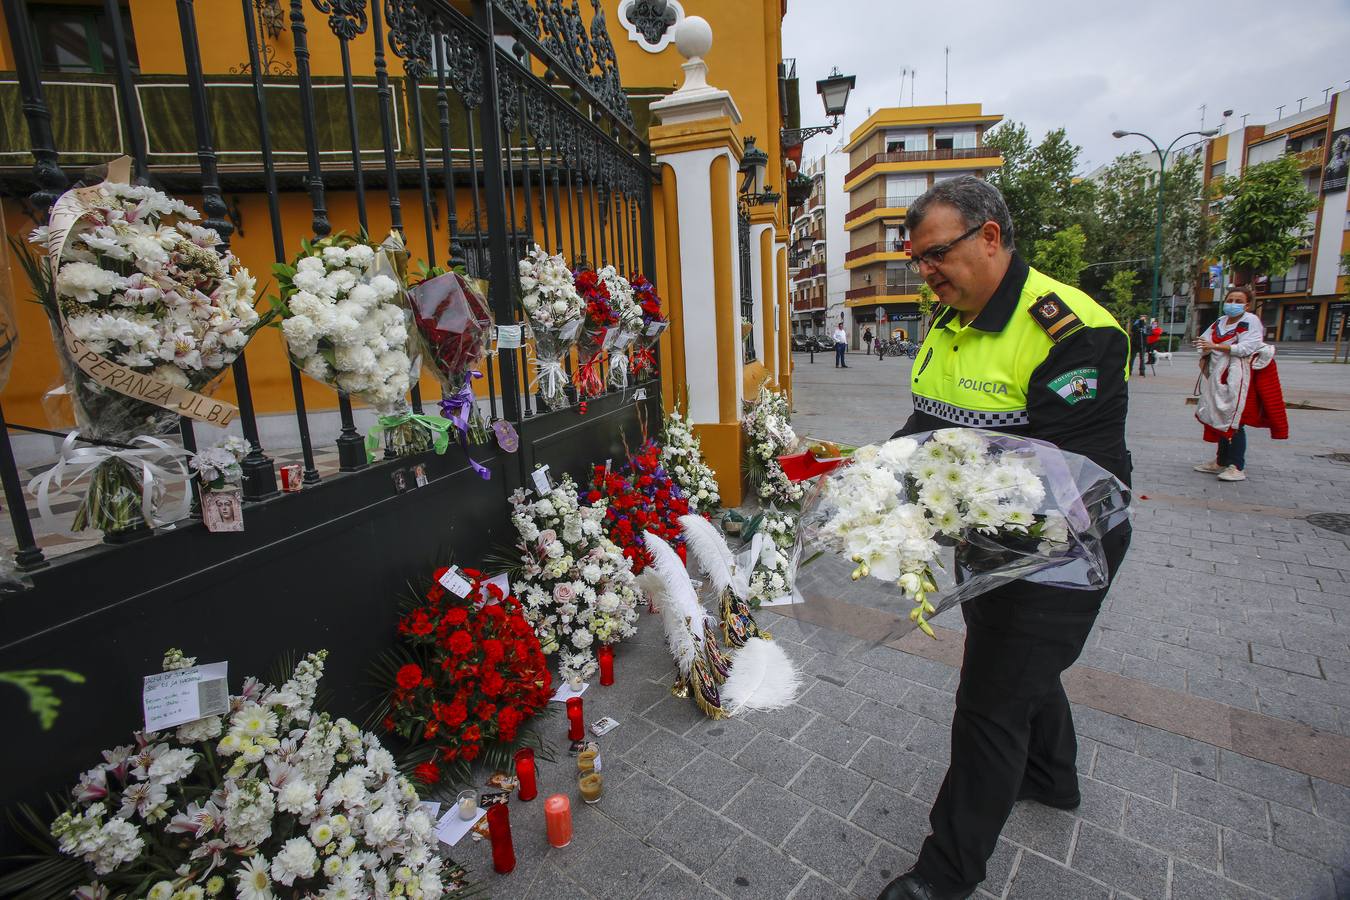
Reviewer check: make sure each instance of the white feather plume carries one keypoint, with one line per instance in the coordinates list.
(762, 677)
(714, 557)
(681, 613)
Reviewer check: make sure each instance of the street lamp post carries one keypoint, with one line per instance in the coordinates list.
(1162, 175)
(834, 90)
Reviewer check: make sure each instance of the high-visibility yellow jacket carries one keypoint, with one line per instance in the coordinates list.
(1042, 359)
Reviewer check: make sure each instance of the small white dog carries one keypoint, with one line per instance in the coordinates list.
(1163, 354)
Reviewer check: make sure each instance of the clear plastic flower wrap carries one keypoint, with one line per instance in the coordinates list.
(598, 321)
(346, 322)
(623, 336)
(947, 515)
(148, 310)
(642, 361)
(554, 309)
(454, 325)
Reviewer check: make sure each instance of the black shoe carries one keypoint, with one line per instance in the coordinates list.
(910, 886)
(1070, 802)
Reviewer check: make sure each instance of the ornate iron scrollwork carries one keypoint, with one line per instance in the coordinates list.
(508, 105)
(522, 13)
(606, 82)
(651, 18)
(536, 113)
(463, 68)
(409, 37)
(347, 18)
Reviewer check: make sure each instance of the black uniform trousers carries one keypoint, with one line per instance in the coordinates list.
(1012, 730)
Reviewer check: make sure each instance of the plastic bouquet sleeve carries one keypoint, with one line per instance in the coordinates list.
(642, 360)
(929, 521)
(454, 330)
(555, 312)
(593, 337)
(147, 310)
(346, 322)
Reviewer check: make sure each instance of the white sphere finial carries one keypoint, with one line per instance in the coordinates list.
(693, 37)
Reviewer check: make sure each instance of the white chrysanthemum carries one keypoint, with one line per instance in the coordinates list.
(297, 859)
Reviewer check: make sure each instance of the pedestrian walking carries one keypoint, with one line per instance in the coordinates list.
(867, 339)
(1238, 386)
(840, 345)
(1025, 342)
(1139, 332)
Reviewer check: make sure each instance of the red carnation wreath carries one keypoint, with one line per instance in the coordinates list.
(473, 673)
(640, 498)
(598, 320)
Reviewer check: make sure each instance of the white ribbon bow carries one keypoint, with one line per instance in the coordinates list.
(551, 375)
(153, 459)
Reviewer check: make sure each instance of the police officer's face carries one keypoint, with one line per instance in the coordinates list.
(971, 269)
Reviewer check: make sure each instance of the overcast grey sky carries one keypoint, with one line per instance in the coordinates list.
(1144, 66)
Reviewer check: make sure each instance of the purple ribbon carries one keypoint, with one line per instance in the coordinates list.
(457, 409)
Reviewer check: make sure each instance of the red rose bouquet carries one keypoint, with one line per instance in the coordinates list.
(472, 672)
(454, 325)
(654, 322)
(641, 497)
(598, 317)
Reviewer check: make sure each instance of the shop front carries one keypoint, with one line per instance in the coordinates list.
(898, 320)
(1299, 321)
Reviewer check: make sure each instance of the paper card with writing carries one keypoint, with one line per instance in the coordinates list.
(565, 692)
(451, 828)
(611, 338)
(177, 697)
(455, 583)
(602, 727)
(542, 482)
(502, 581)
(508, 337)
(655, 328)
(223, 510)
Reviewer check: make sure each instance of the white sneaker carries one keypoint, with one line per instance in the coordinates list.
(1232, 473)
(1209, 468)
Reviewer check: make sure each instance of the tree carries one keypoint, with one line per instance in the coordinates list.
(1038, 183)
(1121, 302)
(1061, 257)
(927, 303)
(1263, 218)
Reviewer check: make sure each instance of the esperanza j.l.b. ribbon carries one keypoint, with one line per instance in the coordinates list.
(458, 408)
(162, 466)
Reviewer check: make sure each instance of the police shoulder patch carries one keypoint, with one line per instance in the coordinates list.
(1054, 315)
(1076, 385)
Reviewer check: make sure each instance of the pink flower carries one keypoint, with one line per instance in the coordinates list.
(547, 536)
(563, 592)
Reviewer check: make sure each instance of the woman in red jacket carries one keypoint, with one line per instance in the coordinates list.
(1238, 386)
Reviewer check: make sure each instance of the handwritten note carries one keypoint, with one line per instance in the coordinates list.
(508, 337)
(565, 692)
(451, 828)
(542, 483)
(455, 583)
(180, 696)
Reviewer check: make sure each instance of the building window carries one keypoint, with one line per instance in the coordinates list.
(1217, 170)
(954, 140)
(79, 38)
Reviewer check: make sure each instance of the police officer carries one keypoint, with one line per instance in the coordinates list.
(1015, 351)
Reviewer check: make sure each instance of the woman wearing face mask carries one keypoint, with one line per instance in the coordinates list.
(1238, 386)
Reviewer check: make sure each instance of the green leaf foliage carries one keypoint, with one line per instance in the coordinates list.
(1263, 218)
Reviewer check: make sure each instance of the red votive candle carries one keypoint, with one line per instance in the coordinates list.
(605, 656)
(576, 729)
(499, 832)
(558, 820)
(525, 773)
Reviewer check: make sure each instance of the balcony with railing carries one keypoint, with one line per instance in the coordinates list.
(1309, 159)
(897, 205)
(892, 287)
(877, 247)
(1285, 284)
(901, 156)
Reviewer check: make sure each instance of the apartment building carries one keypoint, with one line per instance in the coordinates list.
(816, 252)
(1303, 304)
(894, 156)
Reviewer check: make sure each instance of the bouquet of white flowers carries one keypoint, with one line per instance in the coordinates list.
(626, 308)
(576, 585)
(554, 309)
(768, 429)
(1010, 507)
(347, 324)
(771, 557)
(147, 313)
(682, 458)
(269, 800)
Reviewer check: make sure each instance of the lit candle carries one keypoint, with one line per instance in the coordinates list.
(468, 805)
(525, 773)
(605, 656)
(591, 785)
(558, 820)
(576, 729)
(499, 832)
(574, 682)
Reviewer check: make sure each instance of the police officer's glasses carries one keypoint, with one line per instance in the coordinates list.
(935, 256)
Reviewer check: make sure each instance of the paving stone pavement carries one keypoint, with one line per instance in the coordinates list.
(1228, 594)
